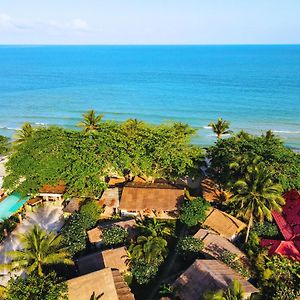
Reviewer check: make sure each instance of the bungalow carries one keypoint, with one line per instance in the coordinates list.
(106, 283)
(112, 258)
(224, 224)
(151, 200)
(110, 199)
(215, 245)
(95, 234)
(288, 222)
(52, 192)
(208, 275)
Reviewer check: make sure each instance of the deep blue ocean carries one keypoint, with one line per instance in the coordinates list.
(254, 87)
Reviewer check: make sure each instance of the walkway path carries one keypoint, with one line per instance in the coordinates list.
(49, 217)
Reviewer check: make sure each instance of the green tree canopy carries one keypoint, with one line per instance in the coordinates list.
(193, 211)
(4, 146)
(114, 235)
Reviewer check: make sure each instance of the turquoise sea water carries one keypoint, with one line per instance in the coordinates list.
(255, 87)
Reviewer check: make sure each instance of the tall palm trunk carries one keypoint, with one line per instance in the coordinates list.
(248, 227)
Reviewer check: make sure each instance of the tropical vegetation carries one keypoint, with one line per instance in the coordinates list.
(220, 128)
(114, 235)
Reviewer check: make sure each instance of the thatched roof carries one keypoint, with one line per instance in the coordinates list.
(211, 192)
(214, 244)
(59, 188)
(34, 201)
(95, 234)
(112, 258)
(115, 259)
(106, 281)
(72, 206)
(208, 275)
(223, 223)
(115, 181)
(139, 197)
(110, 197)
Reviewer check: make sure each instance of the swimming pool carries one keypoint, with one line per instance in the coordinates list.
(11, 204)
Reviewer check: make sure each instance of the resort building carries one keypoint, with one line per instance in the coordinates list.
(72, 206)
(110, 200)
(52, 192)
(95, 234)
(208, 275)
(111, 258)
(215, 245)
(151, 199)
(288, 222)
(224, 224)
(116, 181)
(106, 283)
(211, 192)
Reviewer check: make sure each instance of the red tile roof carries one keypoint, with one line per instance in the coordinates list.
(289, 220)
(284, 248)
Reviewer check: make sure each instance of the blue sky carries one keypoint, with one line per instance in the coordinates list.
(149, 22)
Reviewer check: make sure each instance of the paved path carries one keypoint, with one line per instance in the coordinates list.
(49, 217)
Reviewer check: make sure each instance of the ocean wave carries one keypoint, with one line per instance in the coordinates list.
(286, 131)
(8, 128)
(206, 127)
(40, 123)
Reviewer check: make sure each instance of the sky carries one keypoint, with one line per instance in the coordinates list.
(149, 22)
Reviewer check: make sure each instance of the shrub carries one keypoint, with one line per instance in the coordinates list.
(189, 246)
(114, 235)
(144, 272)
(230, 260)
(4, 147)
(90, 213)
(193, 211)
(266, 229)
(35, 287)
(74, 235)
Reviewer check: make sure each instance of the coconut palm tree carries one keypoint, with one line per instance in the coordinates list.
(131, 126)
(91, 121)
(152, 249)
(25, 132)
(256, 195)
(234, 292)
(220, 127)
(40, 249)
(155, 228)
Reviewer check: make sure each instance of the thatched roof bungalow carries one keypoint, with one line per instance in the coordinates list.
(208, 275)
(224, 224)
(106, 282)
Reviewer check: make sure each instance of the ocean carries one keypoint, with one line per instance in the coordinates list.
(256, 88)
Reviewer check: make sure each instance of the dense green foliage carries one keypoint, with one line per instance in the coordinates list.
(278, 277)
(220, 127)
(39, 250)
(193, 211)
(36, 288)
(230, 158)
(230, 259)
(144, 272)
(189, 247)
(265, 229)
(90, 213)
(154, 227)
(114, 235)
(4, 147)
(82, 161)
(74, 235)
(9, 225)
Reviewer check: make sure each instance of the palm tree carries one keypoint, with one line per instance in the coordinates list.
(234, 292)
(40, 249)
(152, 249)
(155, 228)
(132, 126)
(220, 127)
(91, 121)
(256, 195)
(24, 133)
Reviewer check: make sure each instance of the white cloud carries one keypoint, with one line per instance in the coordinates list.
(74, 25)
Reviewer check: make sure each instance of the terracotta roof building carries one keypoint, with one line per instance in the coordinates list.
(52, 192)
(214, 244)
(208, 275)
(226, 225)
(160, 200)
(112, 258)
(106, 282)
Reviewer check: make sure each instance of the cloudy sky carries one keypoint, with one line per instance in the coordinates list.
(149, 21)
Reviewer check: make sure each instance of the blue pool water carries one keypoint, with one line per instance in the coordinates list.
(11, 204)
(255, 87)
